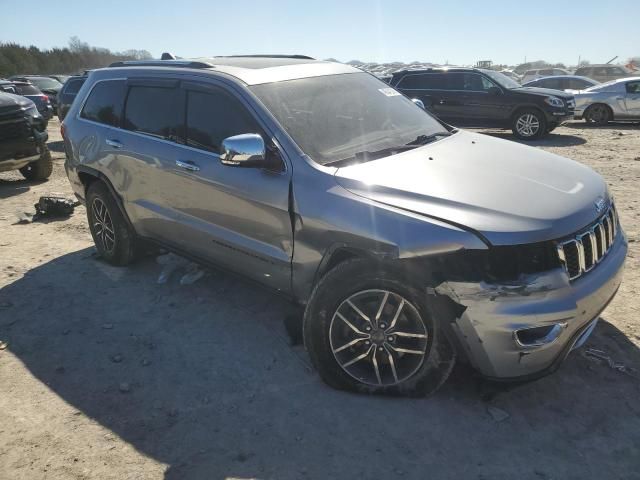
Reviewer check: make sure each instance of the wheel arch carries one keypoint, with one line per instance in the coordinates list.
(89, 176)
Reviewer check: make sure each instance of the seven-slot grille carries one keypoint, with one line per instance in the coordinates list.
(586, 249)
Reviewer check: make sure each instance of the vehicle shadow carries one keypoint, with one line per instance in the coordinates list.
(551, 140)
(610, 125)
(10, 187)
(203, 378)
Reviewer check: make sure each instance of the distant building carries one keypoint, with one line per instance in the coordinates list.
(484, 64)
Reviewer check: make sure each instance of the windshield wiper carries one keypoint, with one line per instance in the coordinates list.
(366, 155)
(424, 139)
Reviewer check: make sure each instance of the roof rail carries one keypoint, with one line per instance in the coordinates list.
(161, 63)
(299, 57)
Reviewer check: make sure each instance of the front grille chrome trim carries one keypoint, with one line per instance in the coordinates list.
(606, 228)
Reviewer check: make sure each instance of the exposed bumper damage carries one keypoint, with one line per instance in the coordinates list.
(527, 327)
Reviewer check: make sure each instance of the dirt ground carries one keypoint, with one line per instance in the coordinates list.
(105, 374)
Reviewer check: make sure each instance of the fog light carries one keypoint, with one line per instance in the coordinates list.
(538, 336)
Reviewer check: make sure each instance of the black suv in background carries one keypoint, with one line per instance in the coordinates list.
(68, 93)
(23, 138)
(470, 97)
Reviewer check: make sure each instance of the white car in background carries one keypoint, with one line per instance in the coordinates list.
(543, 72)
(615, 100)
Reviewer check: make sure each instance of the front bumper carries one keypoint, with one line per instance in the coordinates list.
(493, 315)
(559, 115)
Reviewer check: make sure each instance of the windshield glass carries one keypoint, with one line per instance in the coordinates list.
(602, 86)
(501, 79)
(44, 82)
(339, 117)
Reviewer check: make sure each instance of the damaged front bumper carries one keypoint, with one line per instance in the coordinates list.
(525, 329)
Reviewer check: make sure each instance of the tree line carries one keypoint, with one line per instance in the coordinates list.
(78, 56)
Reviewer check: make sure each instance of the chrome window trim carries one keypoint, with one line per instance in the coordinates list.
(284, 171)
(399, 85)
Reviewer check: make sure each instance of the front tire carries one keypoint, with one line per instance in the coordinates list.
(367, 330)
(529, 124)
(41, 169)
(114, 239)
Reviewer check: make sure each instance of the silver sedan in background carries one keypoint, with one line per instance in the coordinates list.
(615, 100)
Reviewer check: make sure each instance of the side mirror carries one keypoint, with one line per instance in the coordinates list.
(418, 102)
(246, 150)
(494, 91)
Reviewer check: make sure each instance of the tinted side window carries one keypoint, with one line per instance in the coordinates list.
(584, 71)
(472, 82)
(553, 83)
(155, 111)
(633, 87)
(73, 86)
(578, 84)
(27, 90)
(214, 116)
(105, 102)
(548, 71)
(423, 81)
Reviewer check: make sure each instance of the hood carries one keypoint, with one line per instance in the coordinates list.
(542, 92)
(508, 192)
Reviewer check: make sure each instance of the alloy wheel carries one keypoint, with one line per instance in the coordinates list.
(378, 337)
(598, 114)
(103, 225)
(528, 125)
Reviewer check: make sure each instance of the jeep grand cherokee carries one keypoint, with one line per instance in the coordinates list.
(410, 243)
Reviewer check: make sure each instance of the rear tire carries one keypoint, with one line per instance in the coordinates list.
(114, 239)
(41, 169)
(409, 356)
(598, 113)
(529, 124)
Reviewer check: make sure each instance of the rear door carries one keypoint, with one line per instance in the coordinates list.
(429, 87)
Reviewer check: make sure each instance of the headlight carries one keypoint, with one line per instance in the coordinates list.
(554, 102)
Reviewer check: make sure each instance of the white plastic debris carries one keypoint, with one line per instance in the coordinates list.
(172, 262)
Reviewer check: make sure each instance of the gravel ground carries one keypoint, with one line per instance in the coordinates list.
(107, 375)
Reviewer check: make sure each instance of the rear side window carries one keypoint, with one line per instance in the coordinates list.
(554, 83)
(578, 84)
(105, 102)
(585, 72)
(72, 87)
(548, 71)
(423, 81)
(155, 111)
(530, 72)
(27, 90)
(213, 116)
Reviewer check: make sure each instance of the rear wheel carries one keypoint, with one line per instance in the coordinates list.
(40, 169)
(367, 331)
(114, 239)
(529, 124)
(599, 114)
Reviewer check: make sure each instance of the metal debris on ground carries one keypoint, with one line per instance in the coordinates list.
(600, 355)
(171, 262)
(54, 206)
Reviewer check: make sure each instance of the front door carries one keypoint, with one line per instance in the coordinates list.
(236, 217)
(632, 98)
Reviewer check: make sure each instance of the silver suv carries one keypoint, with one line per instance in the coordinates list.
(410, 243)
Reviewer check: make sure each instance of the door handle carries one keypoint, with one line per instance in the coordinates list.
(113, 143)
(188, 165)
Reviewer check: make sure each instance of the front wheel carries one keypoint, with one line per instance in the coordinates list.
(529, 124)
(367, 330)
(41, 169)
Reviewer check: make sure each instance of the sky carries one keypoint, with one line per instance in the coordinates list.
(457, 32)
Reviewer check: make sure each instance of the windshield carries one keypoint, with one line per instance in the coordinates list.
(44, 82)
(602, 86)
(501, 79)
(351, 116)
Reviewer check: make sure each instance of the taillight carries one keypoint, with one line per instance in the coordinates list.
(45, 98)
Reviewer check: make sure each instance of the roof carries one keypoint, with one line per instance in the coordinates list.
(565, 76)
(252, 70)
